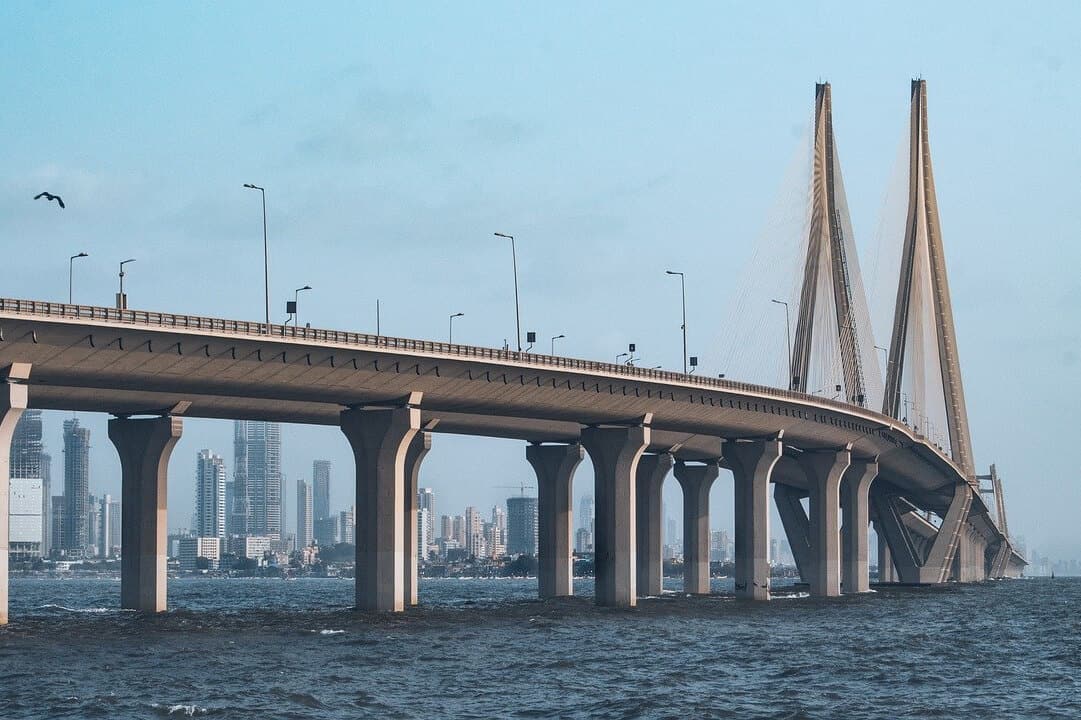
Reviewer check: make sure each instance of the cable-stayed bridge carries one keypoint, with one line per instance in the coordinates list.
(860, 457)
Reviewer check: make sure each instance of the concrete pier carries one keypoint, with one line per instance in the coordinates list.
(752, 464)
(555, 466)
(615, 452)
(380, 438)
(12, 403)
(797, 529)
(855, 487)
(824, 471)
(144, 446)
(696, 481)
(414, 456)
(886, 572)
(652, 470)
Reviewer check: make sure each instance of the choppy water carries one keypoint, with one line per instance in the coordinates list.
(486, 648)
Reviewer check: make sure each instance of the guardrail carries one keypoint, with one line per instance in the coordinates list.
(245, 328)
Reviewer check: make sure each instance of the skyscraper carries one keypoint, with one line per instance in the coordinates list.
(475, 541)
(321, 485)
(24, 516)
(238, 520)
(209, 495)
(586, 509)
(522, 526)
(76, 535)
(425, 533)
(30, 461)
(47, 502)
(257, 484)
(304, 514)
(347, 526)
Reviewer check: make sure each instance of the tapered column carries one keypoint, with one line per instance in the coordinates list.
(144, 447)
(824, 471)
(696, 481)
(752, 464)
(854, 529)
(418, 448)
(555, 466)
(615, 452)
(12, 404)
(652, 470)
(380, 439)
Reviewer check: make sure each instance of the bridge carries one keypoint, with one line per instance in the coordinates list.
(857, 466)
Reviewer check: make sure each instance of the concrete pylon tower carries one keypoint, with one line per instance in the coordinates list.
(924, 292)
(832, 306)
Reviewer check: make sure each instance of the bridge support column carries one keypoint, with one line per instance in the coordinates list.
(418, 448)
(824, 471)
(652, 469)
(789, 501)
(856, 487)
(752, 464)
(144, 446)
(886, 572)
(12, 404)
(380, 438)
(555, 466)
(615, 452)
(696, 481)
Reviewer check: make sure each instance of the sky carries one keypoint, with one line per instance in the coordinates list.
(614, 140)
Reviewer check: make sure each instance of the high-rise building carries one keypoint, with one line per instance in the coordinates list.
(458, 530)
(305, 527)
(347, 526)
(583, 540)
(475, 542)
(424, 533)
(257, 483)
(522, 526)
(238, 519)
(47, 503)
(497, 533)
(28, 460)
(321, 487)
(426, 501)
(56, 529)
(327, 532)
(209, 495)
(586, 511)
(94, 526)
(76, 532)
(190, 550)
(111, 519)
(24, 517)
(446, 527)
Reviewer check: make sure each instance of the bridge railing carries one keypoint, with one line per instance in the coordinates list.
(262, 330)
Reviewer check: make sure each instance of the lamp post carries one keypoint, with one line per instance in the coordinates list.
(450, 333)
(621, 355)
(683, 292)
(266, 256)
(514, 263)
(296, 308)
(557, 337)
(121, 298)
(71, 264)
(788, 338)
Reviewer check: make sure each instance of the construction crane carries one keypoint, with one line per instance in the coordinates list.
(521, 488)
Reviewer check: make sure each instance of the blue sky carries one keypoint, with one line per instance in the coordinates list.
(614, 140)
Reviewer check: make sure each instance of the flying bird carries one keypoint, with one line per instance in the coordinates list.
(50, 196)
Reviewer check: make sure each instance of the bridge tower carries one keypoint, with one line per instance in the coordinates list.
(831, 296)
(922, 282)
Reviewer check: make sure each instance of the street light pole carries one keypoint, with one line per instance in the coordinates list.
(683, 292)
(514, 262)
(121, 299)
(296, 307)
(450, 332)
(788, 338)
(557, 337)
(71, 264)
(266, 257)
